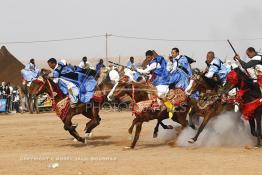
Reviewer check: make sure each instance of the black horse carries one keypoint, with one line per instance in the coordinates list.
(252, 92)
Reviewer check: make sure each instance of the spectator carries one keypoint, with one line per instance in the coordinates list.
(8, 92)
(16, 100)
(2, 90)
(99, 66)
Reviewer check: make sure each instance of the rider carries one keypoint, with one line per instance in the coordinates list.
(85, 68)
(84, 64)
(79, 87)
(132, 66)
(159, 78)
(254, 66)
(30, 72)
(216, 72)
(181, 69)
(63, 76)
(99, 66)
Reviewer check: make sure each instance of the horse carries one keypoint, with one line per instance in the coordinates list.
(66, 112)
(209, 105)
(141, 94)
(250, 104)
(30, 99)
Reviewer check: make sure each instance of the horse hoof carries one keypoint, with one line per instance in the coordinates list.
(75, 140)
(82, 140)
(88, 135)
(191, 141)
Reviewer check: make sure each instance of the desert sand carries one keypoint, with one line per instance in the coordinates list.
(37, 144)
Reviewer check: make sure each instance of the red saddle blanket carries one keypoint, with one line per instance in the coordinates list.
(248, 109)
(62, 107)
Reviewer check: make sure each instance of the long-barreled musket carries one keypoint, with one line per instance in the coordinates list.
(232, 47)
(118, 64)
(236, 54)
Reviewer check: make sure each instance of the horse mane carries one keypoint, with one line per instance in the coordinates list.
(254, 88)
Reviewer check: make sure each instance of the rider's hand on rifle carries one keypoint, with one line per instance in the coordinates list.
(237, 57)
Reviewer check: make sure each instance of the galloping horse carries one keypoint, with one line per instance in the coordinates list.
(209, 105)
(66, 112)
(250, 100)
(142, 93)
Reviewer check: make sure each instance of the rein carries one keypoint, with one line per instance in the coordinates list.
(133, 99)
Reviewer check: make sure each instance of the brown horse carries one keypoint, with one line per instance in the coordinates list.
(209, 105)
(142, 93)
(61, 103)
(30, 99)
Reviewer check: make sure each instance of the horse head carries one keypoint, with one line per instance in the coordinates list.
(195, 83)
(102, 76)
(44, 84)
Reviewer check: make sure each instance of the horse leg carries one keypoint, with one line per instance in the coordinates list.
(156, 128)
(31, 104)
(36, 104)
(130, 130)
(252, 125)
(138, 131)
(95, 120)
(91, 125)
(258, 122)
(200, 129)
(68, 126)
(192, 118)
(28, 105)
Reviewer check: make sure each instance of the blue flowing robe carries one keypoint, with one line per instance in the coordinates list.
(160, 74)
(85, 84)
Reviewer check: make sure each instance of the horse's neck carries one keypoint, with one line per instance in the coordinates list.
(204, 86)
(55, 89)
(105, 87)
(142, 92)
(141, 96)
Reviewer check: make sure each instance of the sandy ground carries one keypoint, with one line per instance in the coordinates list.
(30, 144)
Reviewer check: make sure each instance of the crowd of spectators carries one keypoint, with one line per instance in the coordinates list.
(10, 98)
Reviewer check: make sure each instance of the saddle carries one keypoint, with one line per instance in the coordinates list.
(176, 96)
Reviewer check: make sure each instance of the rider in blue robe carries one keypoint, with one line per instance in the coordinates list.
(180, 71)
(215, 67)
(77, 85)
(160, 78)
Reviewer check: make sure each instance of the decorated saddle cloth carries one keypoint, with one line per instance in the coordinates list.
(62, 108)
(176, 96)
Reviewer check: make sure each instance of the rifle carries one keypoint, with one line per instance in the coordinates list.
(232, 47)
(236, 54)
(118, 64)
